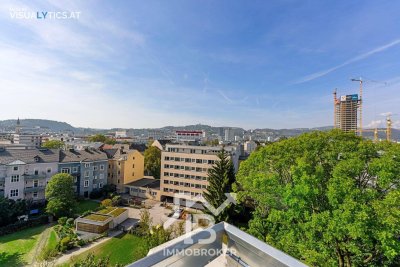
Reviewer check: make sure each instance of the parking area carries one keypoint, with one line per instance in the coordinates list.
(158, 214)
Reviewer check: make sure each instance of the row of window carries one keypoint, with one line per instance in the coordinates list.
(75, 169)
(186, 176)
(15, 193)
(86, 183)
(190, 160)
(36, 171)
(198, 186)
(187, 193)
(186, 168)
(192, 151)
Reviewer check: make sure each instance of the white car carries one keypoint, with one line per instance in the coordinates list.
(177, 213)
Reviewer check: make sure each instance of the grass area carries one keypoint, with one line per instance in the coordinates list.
(97, 217)
(52, 241)
(17, 249)
(113, 211)
(86, 205)
(123, 249)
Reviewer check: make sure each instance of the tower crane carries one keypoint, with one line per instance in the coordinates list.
(360, 101)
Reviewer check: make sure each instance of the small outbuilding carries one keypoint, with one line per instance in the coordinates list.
(102, 220)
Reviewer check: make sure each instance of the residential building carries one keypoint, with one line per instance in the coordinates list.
(125, 165)
(189, 136)
(160, 144)
(28, 139)
(184, 168)
(250, 146)
(229, 246)
(24, 173)
(88, 167)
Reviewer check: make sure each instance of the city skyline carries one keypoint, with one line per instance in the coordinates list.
(134, 65)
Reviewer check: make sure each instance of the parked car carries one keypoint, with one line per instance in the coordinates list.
(177, 214)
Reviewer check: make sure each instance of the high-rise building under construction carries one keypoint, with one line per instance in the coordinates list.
(345, 112)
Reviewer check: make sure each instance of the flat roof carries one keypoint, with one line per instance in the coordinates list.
(146, 182)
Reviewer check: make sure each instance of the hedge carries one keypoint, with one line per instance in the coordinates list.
(20, 225)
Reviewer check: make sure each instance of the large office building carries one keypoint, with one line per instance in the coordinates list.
(184, 169)
(345, 115)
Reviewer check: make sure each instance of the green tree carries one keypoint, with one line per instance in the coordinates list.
(102, 138)
(327, 198)
(53, 144)
(60, 195)
(221, 177)
(152, 161)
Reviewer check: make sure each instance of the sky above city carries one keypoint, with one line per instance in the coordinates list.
(250, 64)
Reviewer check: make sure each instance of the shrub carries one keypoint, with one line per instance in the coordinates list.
(20, 225)
(62, 221)
(70, 222)
(106, 203)
(81, 242)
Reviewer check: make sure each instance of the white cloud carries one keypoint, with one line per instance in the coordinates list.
(347, 62)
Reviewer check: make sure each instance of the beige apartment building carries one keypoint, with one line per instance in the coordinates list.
(184, 169)
(124, 166)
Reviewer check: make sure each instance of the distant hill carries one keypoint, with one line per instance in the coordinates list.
(9, 125)
(50, 126)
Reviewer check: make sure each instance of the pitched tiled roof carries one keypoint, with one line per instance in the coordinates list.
(82, 155)
(28, 155)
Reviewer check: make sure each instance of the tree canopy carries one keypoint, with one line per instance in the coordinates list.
(53, 144)
(327, 198)
(102, 138)
(152, 161)
(60, 195)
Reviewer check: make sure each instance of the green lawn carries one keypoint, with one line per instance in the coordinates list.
(52, 241)
(86, 205)
(17, 249)
(123, 249)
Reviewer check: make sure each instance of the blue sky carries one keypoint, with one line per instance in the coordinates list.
(252, 64)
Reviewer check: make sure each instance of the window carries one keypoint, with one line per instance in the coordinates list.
(133, 174)
(87, 165)
(133, 158)
(15, 168)
(14, 193)
(100, 185)
(35, 194)
(48, 170)
(35, 183)
(14, 178)
(133, 165)
(86, 173)
(95, 177)
(65, 170)
(36, 171)
(101, 175)
(75, 179)
(118, 181)
(95, 168)
(86, 183)
(102, 167)
(153, 193)
(74, 169)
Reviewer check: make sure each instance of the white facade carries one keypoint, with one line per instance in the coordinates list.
(28, 139)
(250, 146)
(26, 181)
